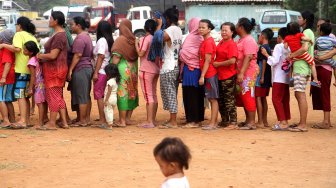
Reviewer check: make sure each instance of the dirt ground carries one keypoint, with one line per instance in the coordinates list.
(91, 157)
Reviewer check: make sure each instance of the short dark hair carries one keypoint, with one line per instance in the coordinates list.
(283, 32)
(82, 22)
(268, 33)
(31, 46)
(232, 28)
(150, 26)
(247, 24)
(59, 16)
(172, 149)
(309, 17)
(326, 29)
(293, 28)
(172, 14)
(112, 72)
(210, 25)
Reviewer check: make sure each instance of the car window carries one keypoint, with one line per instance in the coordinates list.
(274, 17)
(293, 18)
(145, 14)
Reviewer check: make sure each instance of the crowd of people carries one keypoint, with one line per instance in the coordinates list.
(233, 73)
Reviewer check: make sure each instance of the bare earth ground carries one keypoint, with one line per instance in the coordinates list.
(91, 157)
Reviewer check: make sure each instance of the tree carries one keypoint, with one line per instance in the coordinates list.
(43, 5)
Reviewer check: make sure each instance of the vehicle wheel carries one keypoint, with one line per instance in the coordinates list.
(139, 34)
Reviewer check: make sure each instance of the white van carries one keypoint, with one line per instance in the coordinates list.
(10, 17)
(276, 19)
(138, 16)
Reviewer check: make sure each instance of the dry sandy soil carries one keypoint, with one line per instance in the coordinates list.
(91, 157)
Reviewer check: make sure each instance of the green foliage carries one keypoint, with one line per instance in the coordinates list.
(44, 5)
(321, 8)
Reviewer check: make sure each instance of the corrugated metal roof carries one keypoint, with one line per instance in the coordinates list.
(226, 1)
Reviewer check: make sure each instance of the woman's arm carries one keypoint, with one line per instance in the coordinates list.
(100, 60)
(49, 56)
(302, 50)
(140, 53)
(263, 72)
(5, 73)
(275, 58)
(228, 62)
(10, 48)
(246, 64)
(32, 80)
(207, 61)
(326, 56)
(74, 62)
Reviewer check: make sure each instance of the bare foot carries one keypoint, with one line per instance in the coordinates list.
(130, 122)
(260, 126)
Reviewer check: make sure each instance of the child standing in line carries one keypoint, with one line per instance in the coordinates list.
(7, 79)
(110, 94)
(36, 84)
(264, 79)
(172, 155)
(325, 43)
(293, 41)
(280, 93)
(209, 73)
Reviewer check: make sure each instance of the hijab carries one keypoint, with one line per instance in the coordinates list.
(125, 43)
(189, 53)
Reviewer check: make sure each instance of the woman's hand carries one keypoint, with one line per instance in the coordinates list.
(69, 76)
(95, 77)
(2, 81)
(240, 78)
(201, 81)
(216, 64)
(30, 92)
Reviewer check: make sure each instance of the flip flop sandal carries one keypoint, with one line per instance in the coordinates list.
(231, 127)
(209, 128)
(118, 125)
(242, 124)
(46, 128)
(147, 126)
(293, 125)
(17, 126)
(5, 127)
(298, 129)
(104, 126)
(248, 127)
(190, 126)
(316, 84)
(277, 127)
(316, 126)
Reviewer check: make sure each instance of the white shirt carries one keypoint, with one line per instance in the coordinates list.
(275, 61)
(102, 48)
(112, 83)
(176, 183)
(171, 52)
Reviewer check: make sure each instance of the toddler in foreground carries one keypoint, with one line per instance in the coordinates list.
(172, 155)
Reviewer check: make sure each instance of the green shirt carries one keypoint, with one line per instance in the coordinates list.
(301, 67)
(21, 60)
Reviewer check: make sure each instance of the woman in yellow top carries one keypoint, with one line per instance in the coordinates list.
(25, 31)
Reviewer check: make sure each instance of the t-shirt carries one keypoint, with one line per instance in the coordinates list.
(278, 57)
(83, 45)
(145, 65)
(7, 56)
(171, 52)
(102, 48)
(21, 60)
(176, 183)
(301, 67)
(294, 41)
(268, 71)
(325, 43)
(38, 69)
(226, 50)
(208, 46)
(111, 82)
(55, 71)
(248, 46)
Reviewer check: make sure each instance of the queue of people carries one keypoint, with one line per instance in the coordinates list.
(230, 74)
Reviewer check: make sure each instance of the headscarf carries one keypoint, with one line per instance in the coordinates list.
(189, 53)
(124, 44)
(156, 48)
(6, 36)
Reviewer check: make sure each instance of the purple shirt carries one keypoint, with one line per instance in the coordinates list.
(83, 45)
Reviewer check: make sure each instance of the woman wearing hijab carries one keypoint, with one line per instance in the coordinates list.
(193, 93)
(125, 56)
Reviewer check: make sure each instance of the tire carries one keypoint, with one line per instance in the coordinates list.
(139, 33)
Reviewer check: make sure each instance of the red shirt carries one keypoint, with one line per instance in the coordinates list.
(294, 41)
(208, 46)
(225, 51)
(7, 56)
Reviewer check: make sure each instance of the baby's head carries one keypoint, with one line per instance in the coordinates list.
(6, 36)
(172, 155)
(112, 72)
(325, 29)
(293, 28)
